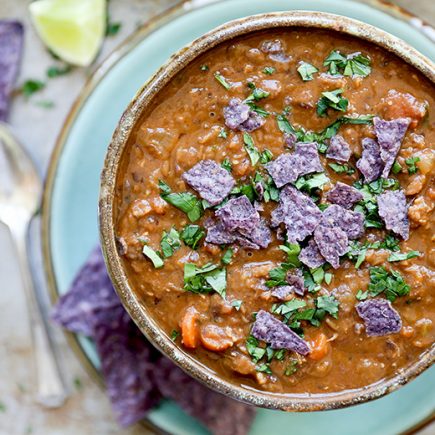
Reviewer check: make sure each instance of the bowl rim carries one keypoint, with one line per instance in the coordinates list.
(137, 311)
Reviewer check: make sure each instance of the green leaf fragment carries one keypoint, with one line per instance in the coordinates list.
(221, 79)
(153, 256)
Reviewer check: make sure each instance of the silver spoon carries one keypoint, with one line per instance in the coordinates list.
(20, 193)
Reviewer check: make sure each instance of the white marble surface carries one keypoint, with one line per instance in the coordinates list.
(87, 411)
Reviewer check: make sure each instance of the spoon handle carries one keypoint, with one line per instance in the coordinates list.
(51, 391)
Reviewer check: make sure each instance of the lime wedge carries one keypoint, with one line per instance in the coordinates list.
(71, 29)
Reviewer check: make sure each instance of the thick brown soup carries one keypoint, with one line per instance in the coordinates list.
(275, 211)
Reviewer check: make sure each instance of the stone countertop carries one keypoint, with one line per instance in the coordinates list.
(87, 411)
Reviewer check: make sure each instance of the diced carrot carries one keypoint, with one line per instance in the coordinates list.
(319, 347)
(215, 338)
(407, 331)
(190, 328)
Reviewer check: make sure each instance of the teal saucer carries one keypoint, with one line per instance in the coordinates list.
(71, 197)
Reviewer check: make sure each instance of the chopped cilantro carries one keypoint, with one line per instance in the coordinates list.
(153, 256)
(292, 250)
(342, 168)
(204, 68)
(333, 100)
(328, 304)
(410, 162)
(401, 256)
(362, 296)
(185, 201)
(277, 276)
(257, 94)
(391, 283)
(170, 242)
(227, 257)
(30, 87)
(310, 182)
(175, 334)
(226, 164)
(264, 368)
(77, 383)
(245, 189)
(221, 79)
(391, 243)
(251, 149)
(328, 277)
(56, 71)
(269, 70)
(192, 235)
(396, 168)
(270, 191)
(236, 303)
(254, 350)
(205, 279)
(266, 156)
(292, 367)
(112, 28)
(223, 133)
(352, 65)
(306, 71)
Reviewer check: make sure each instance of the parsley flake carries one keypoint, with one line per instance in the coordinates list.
(205, 279)
(390, 283)
(192, 235)
(332, 100)
(411, 163)
(153, 256)
(306, 71)
(170, 242)
(401, 256)
(31, 86)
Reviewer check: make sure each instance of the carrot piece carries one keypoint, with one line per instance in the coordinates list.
(215, 338)
(319, 347)
(190, 328)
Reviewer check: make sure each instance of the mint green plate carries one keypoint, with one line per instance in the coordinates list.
(71, 197)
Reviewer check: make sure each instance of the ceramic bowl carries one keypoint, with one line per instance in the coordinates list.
(139, 312)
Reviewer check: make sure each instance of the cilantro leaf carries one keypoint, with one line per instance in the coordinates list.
(328, 304)
(410, 162)
(56, 71)
(185, 201)
(236, 303)
(192, 235)
(335, 61)
(401, 256)
(175, 334)
(227, 257)
(362, 296)
(310, 182)
(204, 67)
(257, 94)
(266, 156)
(292, 367)
(306, 71)
(342, 168)
(170, 242)
(292, 250)
(253, 349)
(205, 279)
(30, 87)
(153, 256)
(221, 79)
(264, 368)
(390, 283)
(269, 70)
(354, 64)
(333, 100)
(397, 168)
(251, 149)
(226, 164)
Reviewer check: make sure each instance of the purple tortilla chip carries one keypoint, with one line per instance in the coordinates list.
(283, 292)
(239, 213)
(299, 213)
(218, 235)
(290, 140)
(239, 116)
(259, 237)
(219, 413)
(90, 292)
(332, 243)
(379, 317)
(283, 170)
(390, 135)
(128, 365)
(351, 222)
(271, 330)
(11, 46)
(210, 180)
(307, 159)
(370, 164)
(338, 149)
(311, 256)
(344, 195)
(393, 210)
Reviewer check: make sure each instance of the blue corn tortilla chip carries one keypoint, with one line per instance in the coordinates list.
(128, 363)
(276, 333)
(218, 234)
(311, 256)
(283, 292)
(338, 149)
(259, 237)
(239, 213)
(239, 116)
(370, 164)
(393, 210)
(351, 222)
(379, 316)
(283, 170)
(298, 212)
(390, 135)
(290, 140)
(90, 292)
(307, 159)
(287, 168)
(220, 414)
(210, 180)
(344, 195)
(11, 47)
(332, 243)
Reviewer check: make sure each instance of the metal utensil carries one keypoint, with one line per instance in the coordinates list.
(20, 192)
